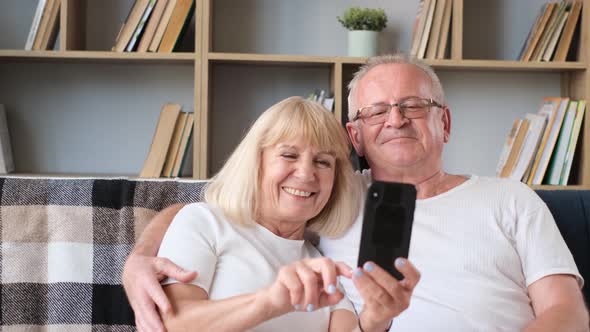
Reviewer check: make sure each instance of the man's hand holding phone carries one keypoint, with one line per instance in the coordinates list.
(384, 296)
(385, 286)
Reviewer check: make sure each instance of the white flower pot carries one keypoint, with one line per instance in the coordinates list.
(362, 43)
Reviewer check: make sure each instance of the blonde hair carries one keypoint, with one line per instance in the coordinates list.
(234, 189)
(398, 58)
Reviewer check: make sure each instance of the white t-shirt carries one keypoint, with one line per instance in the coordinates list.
(233, 260)
(478, 247)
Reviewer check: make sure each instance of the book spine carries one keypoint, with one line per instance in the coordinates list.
(35, 25)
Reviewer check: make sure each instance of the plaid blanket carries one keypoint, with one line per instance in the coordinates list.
(63, 245)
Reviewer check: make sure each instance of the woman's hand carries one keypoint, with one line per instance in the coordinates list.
(384, 296)
(306, 285)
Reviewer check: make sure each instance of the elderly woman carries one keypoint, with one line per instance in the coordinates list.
(289, 175)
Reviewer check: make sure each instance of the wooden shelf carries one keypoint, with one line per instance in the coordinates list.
(507, 65)
(479, 65)
(96, 57)
(271, 59)
(570, 187)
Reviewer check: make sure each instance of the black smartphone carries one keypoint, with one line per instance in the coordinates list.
(387, 224)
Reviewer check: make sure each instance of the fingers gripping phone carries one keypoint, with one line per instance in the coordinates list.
(387, 224)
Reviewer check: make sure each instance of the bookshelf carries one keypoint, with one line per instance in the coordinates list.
(260, 51)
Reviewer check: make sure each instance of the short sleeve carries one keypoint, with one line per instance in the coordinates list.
(541, 247)
(190, 243)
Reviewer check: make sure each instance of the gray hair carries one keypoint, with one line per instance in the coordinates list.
(398, 58)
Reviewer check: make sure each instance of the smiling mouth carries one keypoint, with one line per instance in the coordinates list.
(297, 192)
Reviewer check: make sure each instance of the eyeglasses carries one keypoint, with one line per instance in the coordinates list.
(409, 108)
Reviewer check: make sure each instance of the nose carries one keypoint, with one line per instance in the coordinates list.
(305, 170)
(395, 118)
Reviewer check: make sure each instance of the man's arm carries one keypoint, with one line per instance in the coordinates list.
(558, 304)
(143, 271)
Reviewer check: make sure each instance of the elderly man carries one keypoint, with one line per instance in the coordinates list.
(490, 254)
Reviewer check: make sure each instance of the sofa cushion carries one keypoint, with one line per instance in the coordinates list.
(63, 245)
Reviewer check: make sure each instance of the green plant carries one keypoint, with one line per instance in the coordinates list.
(356, 18)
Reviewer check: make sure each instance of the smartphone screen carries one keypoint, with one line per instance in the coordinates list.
(387, 224)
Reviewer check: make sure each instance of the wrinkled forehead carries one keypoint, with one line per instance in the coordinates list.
(395, 81)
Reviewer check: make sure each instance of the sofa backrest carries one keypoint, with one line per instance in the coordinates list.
(571, 210)
(63, 246)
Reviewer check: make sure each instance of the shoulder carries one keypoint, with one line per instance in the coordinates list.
(506, 191)
(201, 217)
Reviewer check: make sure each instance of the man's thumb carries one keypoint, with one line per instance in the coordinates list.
(183, 275)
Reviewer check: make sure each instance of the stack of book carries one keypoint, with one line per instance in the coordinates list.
(170, 148)
(326, 99)
(155, 26)
(430, 35)
(43, 32)
(540, 148)
(554, 35)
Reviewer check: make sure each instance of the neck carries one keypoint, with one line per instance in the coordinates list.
(428, 184)
(286, 230)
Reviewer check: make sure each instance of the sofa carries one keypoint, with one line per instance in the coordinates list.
(64, 242)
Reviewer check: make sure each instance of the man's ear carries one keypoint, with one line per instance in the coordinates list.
(355, 137)
(446, 118)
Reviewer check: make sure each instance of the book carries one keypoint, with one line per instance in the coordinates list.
(529, 146)
(140, 27)
(445, 30)
(151, 26)
(179, 21)
(130, 25)
(548, 33)
(568, 32)
(508, 142)
(43, 24)
(549, 147)
(550, 50)
(50, 32)
(152, 167)
(174, 144)
(182, 153)
(418, 28)
(541, 27)
(35, 25)
(569, 157)
(516, 148)
(6, 158)
(531, 34)
(436, 29)
(426, 33)
(157, 39)
(549, 109)
(558, 157)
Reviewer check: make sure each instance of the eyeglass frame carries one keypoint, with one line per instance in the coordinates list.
(431, 102)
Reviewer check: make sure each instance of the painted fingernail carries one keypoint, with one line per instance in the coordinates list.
(368, 267)
(297, 307)
(358, 272)
(310, 307)
(399, 262)
(331, 289)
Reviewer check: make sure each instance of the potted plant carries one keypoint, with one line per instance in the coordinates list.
(364, 25)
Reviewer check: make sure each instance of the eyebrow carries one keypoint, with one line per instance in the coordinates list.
(286, 146)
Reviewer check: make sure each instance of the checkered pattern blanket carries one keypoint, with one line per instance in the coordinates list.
(63, 245)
